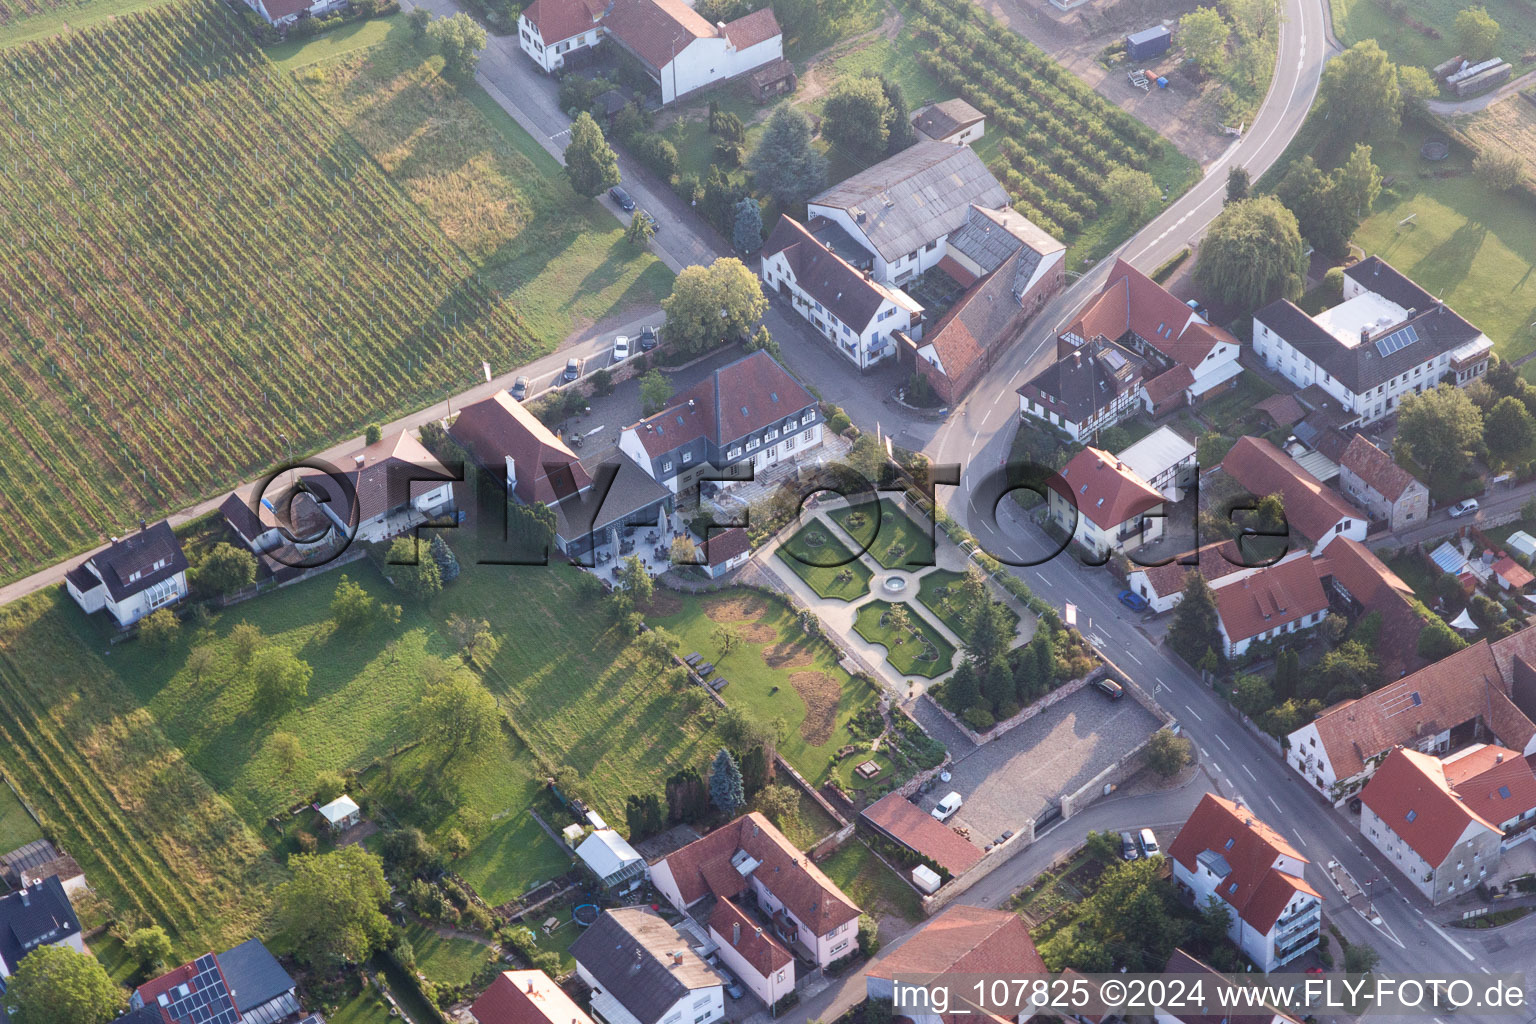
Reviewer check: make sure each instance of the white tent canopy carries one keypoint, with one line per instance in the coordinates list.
(1463, 621)
(340, 809)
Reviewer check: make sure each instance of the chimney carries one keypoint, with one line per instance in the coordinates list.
(1498, 758)
(690, 403)
(735, 933)
(26, 897)
(1077, 358)
(530, 986)
(143, 526)
(677, 958)
(1365, 335)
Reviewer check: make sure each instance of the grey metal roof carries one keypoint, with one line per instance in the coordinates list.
(835, 239)
(632, 490)
(253, 974)
(941, 120)
(629, 952)
(917, 196)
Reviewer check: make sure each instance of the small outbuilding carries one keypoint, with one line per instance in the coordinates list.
(1522, 542)
(342, 813)
(610, 857)
(1149, 42)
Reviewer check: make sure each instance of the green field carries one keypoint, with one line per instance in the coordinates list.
(16, 826)
(942, 593)
(560, 259)
(447, 960)
(905, 653)
(895, 541)
(25, 20)
(356, 35)
(203, 261)
(776, 674)
(845, 579)
(1466, 244)
(1354, 20)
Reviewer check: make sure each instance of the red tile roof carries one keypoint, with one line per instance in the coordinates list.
(1410, 794)
(955, 269)
(1494, 782)
(1169, 385)
(755, 945)
(562, 19)
(1257, 890)
(1132, 301)
(526, 997)
(1376, 468)
(748, 395)
(1283, 409)
(384, 475)
(657, 30)
(1357, 569)
(1213, 562)
(1264, 469)
(495, 427)
(912, 826)
(1103, 490)
(1513, 573)
(811, 896)
(1438, 697)
(1285, 592)
(751, 29)
(971, 940)
(721, 547)
(1210, 1011)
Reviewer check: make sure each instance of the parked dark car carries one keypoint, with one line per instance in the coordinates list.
(1109, 688)
(648, 339)
(1128, 848)
(519, 389)
(1132, 600)
(621, 197)
(572, 370)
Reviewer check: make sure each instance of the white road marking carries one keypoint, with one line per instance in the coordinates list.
(1300, 840)
(1223, 742)
(1484, 969)
(1248, 773)
(1133, 657)
(1204, 752)
(1272, 801)
(1042, 577)
(1454, 944)
(1217, 767)
(1195, 713)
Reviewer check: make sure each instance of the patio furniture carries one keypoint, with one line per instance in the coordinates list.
(705, 669)
(719, 683)
(693, 659)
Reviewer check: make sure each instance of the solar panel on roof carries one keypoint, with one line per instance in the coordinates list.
(1398, 339)
(203, 999)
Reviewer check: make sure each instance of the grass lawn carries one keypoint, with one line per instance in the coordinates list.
(896, 541)
(558, 258)
(562, 935)
(825, 563)
(446, 960)
(1416, 572)
(1467, 244)
(1235, 406)
(942, 592)
(356, 35)
(908, 656)
(776, 673)
(113, 956)
(1354, 20)
(364, 1008)
(851, 782)
(809, 824)
(16, 826)
(869, 883)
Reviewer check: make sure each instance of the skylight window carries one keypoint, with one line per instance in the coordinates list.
(679, 420)
(1230, 841)
(1504, 792)
(1412, 815)
(773, 396)
(1232, 888)
(1417, 700)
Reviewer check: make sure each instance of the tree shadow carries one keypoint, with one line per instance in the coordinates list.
(1450, 262)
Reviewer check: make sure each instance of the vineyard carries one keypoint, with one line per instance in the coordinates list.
(195, 261)
(1059, 138)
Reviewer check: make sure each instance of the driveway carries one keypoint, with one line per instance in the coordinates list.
(1009, 781)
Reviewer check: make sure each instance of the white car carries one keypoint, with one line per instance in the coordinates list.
(1463, 508)
(620, 348)
(947, 807)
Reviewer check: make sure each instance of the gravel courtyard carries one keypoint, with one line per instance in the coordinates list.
(1012, 779)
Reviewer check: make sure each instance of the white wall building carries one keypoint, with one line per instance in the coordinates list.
(1388, 339)
(1164, 460)
(641, 970)
(1103, 505)
(135, 576)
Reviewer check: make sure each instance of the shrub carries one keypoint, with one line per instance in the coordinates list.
(979, 719)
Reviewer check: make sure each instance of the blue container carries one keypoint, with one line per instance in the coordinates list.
(1148, 43)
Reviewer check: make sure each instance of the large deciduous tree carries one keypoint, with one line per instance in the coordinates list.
(1439, 430)
(590, 163)
(1203, 33)
(857, 114)
(1477, 34)
(57, 985)
(713, 304)
(226, 569)
(1252, 254)
(1507, 429)
(1131, 191)
(460, 39)
(282, 679)
(784, 166)
(330, 910)
(459, 718)
(412, 569)
(1360, 91)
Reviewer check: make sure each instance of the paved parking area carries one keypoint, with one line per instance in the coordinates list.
(1013, 779)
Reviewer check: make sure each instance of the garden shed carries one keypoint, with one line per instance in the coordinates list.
(611, 859)
(342, 813)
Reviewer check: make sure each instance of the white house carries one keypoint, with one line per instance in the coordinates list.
(36, 915)
(1278, 601)
(1103, 505)
(1318, 512)
(1443, 823)
(1163, 585)
(676, 47)
(135, 576)
(726, 550)
(641, 970)
(753, 955)
(953, 121)
(750, 413)
(903, 209)
(805, 909)
(1164, 460)
(1388, 339)
(392, 486)
(851, 309)
(1225, 852)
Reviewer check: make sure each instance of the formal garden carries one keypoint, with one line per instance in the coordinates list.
(827, 565)
(913, 646)
(890, 537)
(945, 593)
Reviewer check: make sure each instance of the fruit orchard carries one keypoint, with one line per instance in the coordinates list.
(195, 262)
